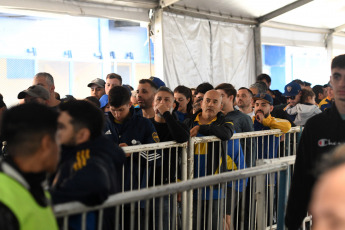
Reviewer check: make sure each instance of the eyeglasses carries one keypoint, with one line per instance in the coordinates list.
(290, 98)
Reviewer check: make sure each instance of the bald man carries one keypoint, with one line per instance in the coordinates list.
(207, 122)
(328, 200)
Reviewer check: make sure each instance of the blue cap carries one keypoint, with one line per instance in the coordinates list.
(264, 96)
(157, 81)
(291, 89)
(103, 100)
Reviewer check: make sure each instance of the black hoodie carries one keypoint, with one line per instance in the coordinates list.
(321, 134)
(89, 173)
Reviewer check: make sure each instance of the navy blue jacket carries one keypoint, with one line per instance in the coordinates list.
(137, 128)
(89, 173)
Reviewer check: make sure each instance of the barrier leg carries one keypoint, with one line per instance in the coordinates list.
(261, 200)
(282, 197)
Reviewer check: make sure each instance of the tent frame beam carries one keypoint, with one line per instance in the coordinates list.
(284, 26)
(282, 10)
(166, 3)
(339, 28)
(210, 15)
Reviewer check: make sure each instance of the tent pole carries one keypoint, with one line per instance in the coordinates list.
(158, 45)
(257, 48)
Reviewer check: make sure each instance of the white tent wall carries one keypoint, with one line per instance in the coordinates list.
(186, 50)
(198, 50)
(338, 45)
(291, 38)
(233, 54)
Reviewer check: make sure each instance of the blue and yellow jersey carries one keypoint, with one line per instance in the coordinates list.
(268, 145)
(326, 103)
(200, 152)
(235, 161)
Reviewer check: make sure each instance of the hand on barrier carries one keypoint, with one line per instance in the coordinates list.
(194, 131)
(124, 145)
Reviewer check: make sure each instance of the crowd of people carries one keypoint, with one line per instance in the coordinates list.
(90, 134)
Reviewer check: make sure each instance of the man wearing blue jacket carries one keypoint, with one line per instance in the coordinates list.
(125, 127)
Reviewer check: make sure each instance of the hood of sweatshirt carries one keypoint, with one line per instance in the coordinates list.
(307, 109)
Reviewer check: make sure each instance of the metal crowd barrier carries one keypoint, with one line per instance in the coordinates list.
(248, 192)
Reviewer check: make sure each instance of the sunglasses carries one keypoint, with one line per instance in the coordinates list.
(291, 98)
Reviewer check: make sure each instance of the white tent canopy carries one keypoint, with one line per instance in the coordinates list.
(199, 40)
(319, 14)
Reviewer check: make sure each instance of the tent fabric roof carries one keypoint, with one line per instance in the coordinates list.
(323, 14)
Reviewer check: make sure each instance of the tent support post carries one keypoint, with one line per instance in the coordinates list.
(158, 45)
(329, 46)
(257, 47)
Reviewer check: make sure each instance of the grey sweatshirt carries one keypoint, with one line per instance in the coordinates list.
(303, 112)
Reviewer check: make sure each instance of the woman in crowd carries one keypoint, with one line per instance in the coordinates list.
(183, 95)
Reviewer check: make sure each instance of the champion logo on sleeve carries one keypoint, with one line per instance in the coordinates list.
(328, 142)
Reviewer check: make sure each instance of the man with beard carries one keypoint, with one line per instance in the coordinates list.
(263, 106)
(145, 94)
(292, 93)
(90, 166)
(244, 100)
(268, 145)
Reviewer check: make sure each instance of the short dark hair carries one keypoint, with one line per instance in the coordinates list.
(114, 76)
(85, 115)
(24, 126)
(129, 86)
(93, 100)
(152, 84)
(305, 94)
(165, 89)
(307, 83)
(318, 89)
(249, 91)
(119, 96)
(262, 87)
(338, 62)
(203, 88)
(228, 89)
(300, 82)
(264, 76)
(49, 78)
(187, 92)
